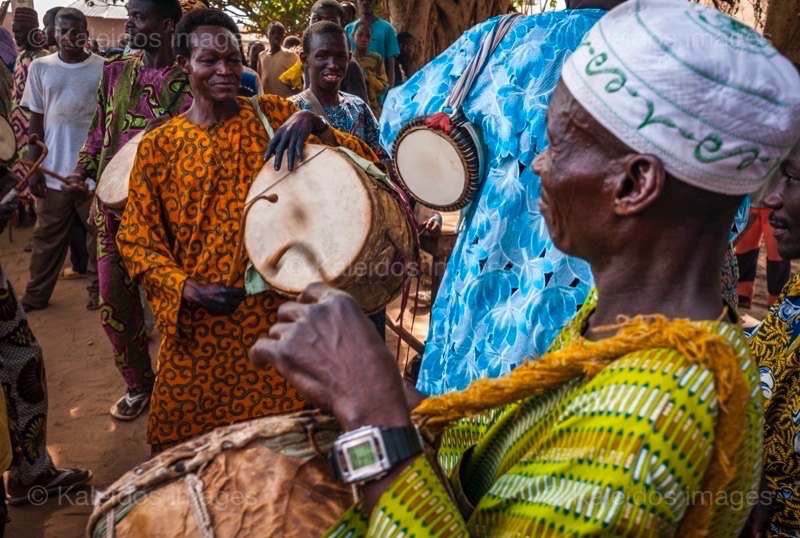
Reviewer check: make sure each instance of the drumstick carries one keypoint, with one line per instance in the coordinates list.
(306, 251)
(237, 256)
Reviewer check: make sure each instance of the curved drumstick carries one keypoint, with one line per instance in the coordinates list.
(306, 251)
(237, 257)
(37, 164)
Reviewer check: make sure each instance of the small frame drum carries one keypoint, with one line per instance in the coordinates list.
(8, 142)
(112, 188)
(265, 477)
(441, 171)
(329, 220)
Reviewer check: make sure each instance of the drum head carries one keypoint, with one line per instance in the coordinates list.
(322, 205)
(112, 189)
(432, 168)
(8, 142)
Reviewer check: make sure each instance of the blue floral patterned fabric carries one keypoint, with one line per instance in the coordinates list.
(507, 292)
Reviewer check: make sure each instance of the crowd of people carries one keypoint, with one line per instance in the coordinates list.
(586, 370)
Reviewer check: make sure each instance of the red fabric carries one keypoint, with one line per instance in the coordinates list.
(751, 239)
(439, 122)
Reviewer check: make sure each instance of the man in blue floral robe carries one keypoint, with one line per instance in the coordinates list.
(507, 291)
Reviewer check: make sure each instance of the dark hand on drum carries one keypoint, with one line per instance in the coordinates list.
(327, 348)
(219, 300)
(292, 135)
(37, 185)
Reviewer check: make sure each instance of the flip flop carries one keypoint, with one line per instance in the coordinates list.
(62, 480)
(136, 403)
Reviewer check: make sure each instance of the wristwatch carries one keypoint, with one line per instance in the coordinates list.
(370, 453)
(324, 129)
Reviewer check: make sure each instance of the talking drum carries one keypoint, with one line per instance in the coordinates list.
(439, 170)
(266, 477)
(112, 189)
(329, 220)
(8, 142)
(443, 170)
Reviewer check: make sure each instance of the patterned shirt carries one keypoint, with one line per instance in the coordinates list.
(130, 94)
(374, 69)
(187, 193)
(353, 116)
(624, 454)
(20, 119)
(777, 349)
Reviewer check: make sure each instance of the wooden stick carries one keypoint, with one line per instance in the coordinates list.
(406, 336)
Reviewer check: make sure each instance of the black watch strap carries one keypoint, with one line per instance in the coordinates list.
(402, 443)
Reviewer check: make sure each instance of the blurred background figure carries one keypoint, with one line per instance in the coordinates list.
(349, 13)
(406, 64)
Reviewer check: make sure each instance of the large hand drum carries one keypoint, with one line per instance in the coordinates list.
(112, 189)
(354, 227)
(8, 142)
(266, 477)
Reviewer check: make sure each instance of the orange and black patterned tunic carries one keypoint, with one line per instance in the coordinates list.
(187, 194)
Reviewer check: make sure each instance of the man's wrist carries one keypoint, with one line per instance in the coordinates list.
(375, 412)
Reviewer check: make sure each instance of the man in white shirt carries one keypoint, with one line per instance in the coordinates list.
(61, 96)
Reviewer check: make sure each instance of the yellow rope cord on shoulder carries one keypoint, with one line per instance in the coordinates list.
(584, 360)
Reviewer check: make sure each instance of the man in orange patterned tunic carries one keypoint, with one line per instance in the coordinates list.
(180, 229)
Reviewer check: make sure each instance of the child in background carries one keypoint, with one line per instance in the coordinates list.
(373, 67)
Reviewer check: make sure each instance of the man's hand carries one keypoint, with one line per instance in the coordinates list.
(76, 184)
(432, 226)
(291, 137)
(37, 185)
(328, 349)
(219, 300)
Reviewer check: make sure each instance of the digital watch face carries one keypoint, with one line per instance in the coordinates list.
(362, 455)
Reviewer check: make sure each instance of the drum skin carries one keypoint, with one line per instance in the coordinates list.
(357, 229)
(8, 142)
(112, 189)
(439, 170)
(258, 478)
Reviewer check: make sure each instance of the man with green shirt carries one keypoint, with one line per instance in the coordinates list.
(645, 418)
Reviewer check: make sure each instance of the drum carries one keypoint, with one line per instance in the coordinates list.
(356, 229)
(439, 170)
(266, 477)
(112, 189)
(8, 142)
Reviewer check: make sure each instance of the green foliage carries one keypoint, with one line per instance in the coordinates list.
(255, 15)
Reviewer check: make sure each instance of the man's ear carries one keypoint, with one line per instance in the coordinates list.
(640, 184)
(303, 57)
(183, 63)
(167, 26)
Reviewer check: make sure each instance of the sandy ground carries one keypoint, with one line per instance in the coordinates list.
(83, 383)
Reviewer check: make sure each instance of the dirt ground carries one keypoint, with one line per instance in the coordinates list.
(83, 384)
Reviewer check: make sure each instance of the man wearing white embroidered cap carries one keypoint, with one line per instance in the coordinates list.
(645, 418)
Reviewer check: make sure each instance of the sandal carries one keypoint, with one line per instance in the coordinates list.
(93, 303)
(61, 481)
(130, 406)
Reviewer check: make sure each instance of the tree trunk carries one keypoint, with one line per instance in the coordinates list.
(436, 24)
(783, 27)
